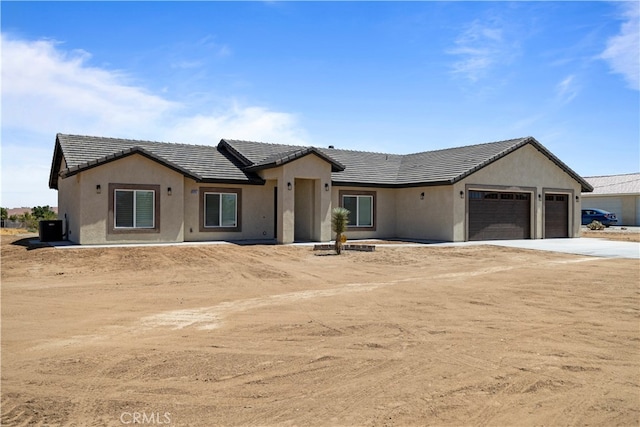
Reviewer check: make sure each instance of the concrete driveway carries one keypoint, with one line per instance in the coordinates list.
(580, 246)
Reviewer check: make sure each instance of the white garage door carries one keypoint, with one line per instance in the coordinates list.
(611, 204)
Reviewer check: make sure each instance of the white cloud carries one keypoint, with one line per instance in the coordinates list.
(623, 50)
(567, 89)
(46, 90)
(211, 43)
(237, 122)
(479, 48)
(25, 176)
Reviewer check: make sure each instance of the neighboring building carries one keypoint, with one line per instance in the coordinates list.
(118, 191)
(619, 194)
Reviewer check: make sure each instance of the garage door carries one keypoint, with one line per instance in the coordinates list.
(499, 215)
(556, 215)
(612, 204)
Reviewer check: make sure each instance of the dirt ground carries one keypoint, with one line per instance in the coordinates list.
(624, 236)
(282, 335)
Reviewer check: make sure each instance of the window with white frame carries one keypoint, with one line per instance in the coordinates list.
(361, 207)
(134, 209)
(220, 210)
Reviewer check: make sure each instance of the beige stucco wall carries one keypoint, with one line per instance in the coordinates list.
(384, 215)
(69, 198)
(304, 212)
(626, 207)
(94, 207)
(310, 167)
(256, 219)
(428, 218)
(525, 169)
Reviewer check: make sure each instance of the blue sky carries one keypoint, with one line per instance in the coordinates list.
(395, 77)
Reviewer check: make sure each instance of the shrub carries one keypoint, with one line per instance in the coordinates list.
(339, 221)
(595, 225)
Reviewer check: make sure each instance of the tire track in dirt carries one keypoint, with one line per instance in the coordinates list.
(211, 317)
(207, 318)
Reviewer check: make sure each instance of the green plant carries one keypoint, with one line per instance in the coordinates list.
(43, 212)
(339, 221)
(28, 221)
(31, 219)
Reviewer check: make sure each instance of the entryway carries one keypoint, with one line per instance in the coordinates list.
(305, 210)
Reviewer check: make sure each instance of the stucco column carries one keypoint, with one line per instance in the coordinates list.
(286, 209)
(324, 196)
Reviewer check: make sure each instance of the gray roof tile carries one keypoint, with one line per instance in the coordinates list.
(615, 184)
(236, 160)
(201, 162)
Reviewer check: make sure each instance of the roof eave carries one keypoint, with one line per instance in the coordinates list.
(335, 165)
(337, 183)
(592, 194)
(586, 187)
(248, 181)
(225, 145)
(55, 164)
(126, 153)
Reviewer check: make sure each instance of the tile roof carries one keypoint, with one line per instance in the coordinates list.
(236, 160)
(203, 163)
(615, 184)
(440, 167)
(274, 156)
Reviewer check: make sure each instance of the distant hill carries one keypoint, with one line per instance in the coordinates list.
(20, 211)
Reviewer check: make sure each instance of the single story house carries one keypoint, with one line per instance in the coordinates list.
(127, 191)
(619, 194)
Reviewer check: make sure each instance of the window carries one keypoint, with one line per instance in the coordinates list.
(220, 209)
(493, 195)
(361, 206)
(134, 208)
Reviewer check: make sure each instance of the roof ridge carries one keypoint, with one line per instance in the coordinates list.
(129, 140)
(521, 139)
(360, 151)
(610, 176)
(262, 143)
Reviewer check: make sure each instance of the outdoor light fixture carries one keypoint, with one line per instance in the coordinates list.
(422, 196)
(98, 189)
(461, 194)
(577, 198)
(169, 191)
(539, 196)
(289, 186)
(326, 186)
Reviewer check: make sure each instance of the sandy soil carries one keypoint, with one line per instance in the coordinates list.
(625, 236)
(14, 232)
(281, 335)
